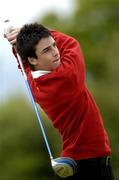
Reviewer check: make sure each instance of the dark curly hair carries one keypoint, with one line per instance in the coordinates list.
(28, 38)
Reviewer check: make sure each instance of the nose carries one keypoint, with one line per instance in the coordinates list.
(54, 51)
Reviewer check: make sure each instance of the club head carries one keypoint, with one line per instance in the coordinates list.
(64, 167)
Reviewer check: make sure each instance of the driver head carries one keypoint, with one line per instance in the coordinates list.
(64, 167)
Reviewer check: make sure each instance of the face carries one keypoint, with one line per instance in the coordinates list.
(48, 57)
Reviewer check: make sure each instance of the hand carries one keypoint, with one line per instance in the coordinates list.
(12, 35)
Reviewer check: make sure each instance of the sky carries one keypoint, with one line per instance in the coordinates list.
(21, 12)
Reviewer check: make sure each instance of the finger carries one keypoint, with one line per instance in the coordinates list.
(12, 34)
(11, 38)
(13, 42)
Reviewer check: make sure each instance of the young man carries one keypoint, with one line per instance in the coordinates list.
(55, 68)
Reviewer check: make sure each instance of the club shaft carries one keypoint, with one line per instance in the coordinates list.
(35, 107)
(7, 28)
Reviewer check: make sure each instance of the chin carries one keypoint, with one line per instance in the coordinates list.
(56, 65)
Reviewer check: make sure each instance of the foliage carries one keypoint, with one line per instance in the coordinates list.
(23, 154)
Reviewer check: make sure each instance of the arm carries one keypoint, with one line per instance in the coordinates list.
(72, 59)
(69, 48)
(70, 51)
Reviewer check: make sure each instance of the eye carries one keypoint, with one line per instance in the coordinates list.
(54, 44)
(46, 50)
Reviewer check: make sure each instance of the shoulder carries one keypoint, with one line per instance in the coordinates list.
(63, 39)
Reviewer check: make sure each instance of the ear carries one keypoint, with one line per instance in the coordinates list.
(32, 60)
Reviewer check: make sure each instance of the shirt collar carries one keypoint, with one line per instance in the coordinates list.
(39, 73)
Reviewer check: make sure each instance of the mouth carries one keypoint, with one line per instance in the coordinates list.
(56, 60)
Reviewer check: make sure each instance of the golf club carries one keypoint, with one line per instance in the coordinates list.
(62, 166)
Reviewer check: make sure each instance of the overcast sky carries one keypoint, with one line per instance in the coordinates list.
(21, 12)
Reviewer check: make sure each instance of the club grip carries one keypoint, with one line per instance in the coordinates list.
(7, 26)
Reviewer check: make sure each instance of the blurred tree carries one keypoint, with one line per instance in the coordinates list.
(23, 154)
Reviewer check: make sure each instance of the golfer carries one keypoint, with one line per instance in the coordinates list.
(55, 68)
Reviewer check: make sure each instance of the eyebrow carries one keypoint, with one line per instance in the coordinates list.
(48, 47)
